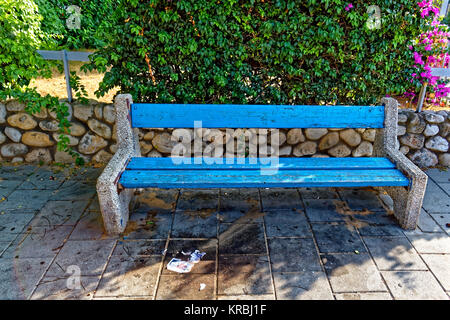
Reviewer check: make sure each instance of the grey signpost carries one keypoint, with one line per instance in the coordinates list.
(65, 56)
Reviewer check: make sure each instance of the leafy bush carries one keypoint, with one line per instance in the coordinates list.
(95, 21)
(259, 51)
(20, 37)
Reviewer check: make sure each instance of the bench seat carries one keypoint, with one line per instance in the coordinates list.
(292, 172)
(389, 171)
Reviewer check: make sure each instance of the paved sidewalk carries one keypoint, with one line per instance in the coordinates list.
(260, 244)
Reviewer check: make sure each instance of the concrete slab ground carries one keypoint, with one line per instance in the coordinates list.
(306, 243)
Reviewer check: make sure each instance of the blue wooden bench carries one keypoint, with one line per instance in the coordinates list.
(388, 170)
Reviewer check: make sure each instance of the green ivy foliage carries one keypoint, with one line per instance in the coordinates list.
(95, 22)
(259, 51)
(20, 36)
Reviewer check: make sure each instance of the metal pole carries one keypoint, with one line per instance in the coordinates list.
(422, 94)
(67, 75)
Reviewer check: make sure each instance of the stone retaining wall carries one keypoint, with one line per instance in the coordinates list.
(424, 137)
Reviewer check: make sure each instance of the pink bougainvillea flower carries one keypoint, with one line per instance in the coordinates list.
(348, 7)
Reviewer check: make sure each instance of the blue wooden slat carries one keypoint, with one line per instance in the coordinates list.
(255, 116)
(283, 164)
(254, 178)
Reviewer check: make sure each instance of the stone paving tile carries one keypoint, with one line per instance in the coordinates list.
(394, 254)
(74, 190)
(427, 224)
(307, 285)
(247, 297)
(8, 186)
(87, 174)
(439, 175)
(279, 199)
(242, 275)
(318, 193)
(43, 179)
(38, 242)
(137, 248)
(237, 238)
(207, 265)
(443, 220)
(337, 238)
(439, 264)
(322, 210)
(435, 199)
(413, 285)
(287, 223)
(89, 227)
(17, 202)
(206, 200)
(352, 272)
(17, 172)
(18, 277)
(13, 222)
(241, 200)
(89, 256)
(3, 246)
(363, 296)
(57, 213)
(157, 200)
(148, 225)
(429, 242)
(293, 255)
(185, 287)
(55, 288)
(360, 199)
(445, 187)
(198, 224)
(130, 276)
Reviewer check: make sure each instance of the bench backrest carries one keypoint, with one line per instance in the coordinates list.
(145, 115)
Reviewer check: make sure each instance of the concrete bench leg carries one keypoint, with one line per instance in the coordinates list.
(115, 205)
(407, 203)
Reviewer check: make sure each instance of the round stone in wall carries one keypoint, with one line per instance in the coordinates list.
(39, 155)
(49, 125)
(434, 117)
(369, 135)
(340, 151)
(329, 140)
(315, 133)
(431, 130)
(365, 149)
(77, 130)
(90, 144)
(102, 157)
(150, 135)
(163, 142)
(72, 140)
(154, 154)
(83, 112)
(295, 136)
(99, 128)
(11, 150)
(416, 124)
(2, 113)
(109, 114)
(14, 134)
(22, 121)
(437, 143)
(444, 129)
(305, 149)
(350, 137)
(15, 106)
(444, 159)
(424, 158)
(414, 141)
(2, 137)
(37, 139)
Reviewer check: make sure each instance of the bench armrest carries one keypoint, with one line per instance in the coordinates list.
(116, 166)
(407, 167)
